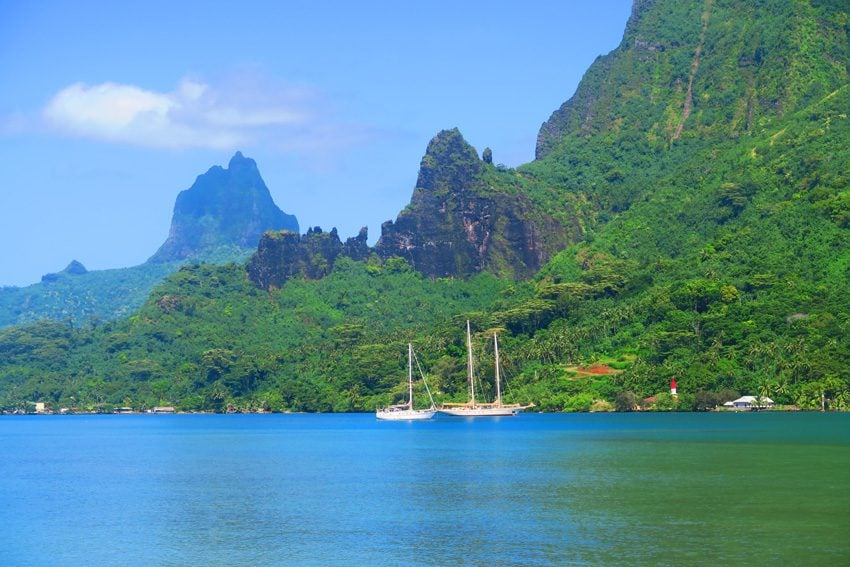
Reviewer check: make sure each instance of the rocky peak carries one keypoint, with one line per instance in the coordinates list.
(282, 255)
(449, 162)
(224, 208)
(466, 216)
(75, 268)
(357, 247)
(239, 161)
(245, 169)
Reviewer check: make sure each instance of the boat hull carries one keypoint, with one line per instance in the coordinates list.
(404, 415)
(482, 411)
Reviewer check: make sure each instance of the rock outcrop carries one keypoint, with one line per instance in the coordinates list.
(75, 268)
(466, 216)
(284, 254)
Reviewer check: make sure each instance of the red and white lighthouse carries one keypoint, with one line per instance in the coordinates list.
(673, 387)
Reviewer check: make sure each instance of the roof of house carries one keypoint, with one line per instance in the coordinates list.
(750, 400)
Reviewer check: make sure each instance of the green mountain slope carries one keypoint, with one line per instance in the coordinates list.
(731, 273)
(95, 295)
(208, 338)
(714, 69)
(688, 76)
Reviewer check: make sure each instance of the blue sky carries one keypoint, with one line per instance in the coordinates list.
(109, 109)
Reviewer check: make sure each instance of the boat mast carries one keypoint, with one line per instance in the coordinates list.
(469, 365)
(498, 379)
(410, 375)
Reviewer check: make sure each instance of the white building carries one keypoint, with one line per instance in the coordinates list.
(750, 402)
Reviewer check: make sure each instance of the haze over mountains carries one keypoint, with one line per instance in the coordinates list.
(219, 219)
(687, 217)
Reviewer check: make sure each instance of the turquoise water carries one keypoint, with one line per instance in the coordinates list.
(613, 489)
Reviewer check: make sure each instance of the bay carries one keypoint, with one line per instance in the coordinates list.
(565, 489)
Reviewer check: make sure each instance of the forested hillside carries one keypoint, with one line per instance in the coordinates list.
(696, 185)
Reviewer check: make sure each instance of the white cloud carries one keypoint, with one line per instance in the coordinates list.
(238, 112)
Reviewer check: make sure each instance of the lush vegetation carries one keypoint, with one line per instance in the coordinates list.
(104, 294)
(209, 339)
(96, 295)
(717, 254)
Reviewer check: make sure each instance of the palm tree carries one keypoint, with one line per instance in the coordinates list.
(764, 387)
(753, 355)
(780, 387)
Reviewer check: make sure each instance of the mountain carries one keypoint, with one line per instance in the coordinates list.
(94, 296)
(218, 220)
(705, 70)
(685, 120)
(714, 142)
(75, 268)
(224, 208)
(467, 215)
(687, 217)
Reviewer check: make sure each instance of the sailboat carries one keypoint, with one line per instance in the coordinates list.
(405, 411)
(474, 408)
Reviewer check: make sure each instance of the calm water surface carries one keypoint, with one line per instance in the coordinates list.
(614, 489)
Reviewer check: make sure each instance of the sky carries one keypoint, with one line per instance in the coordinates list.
(109, 109)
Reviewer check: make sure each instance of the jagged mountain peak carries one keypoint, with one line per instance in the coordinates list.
(241, 163)
(449, 160)
(465, 216)
(224, 208)
(74, 268)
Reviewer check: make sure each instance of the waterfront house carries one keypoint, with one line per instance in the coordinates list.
(750, 402)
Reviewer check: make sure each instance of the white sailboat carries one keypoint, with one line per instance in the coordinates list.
(405, 411)
(474, 408)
